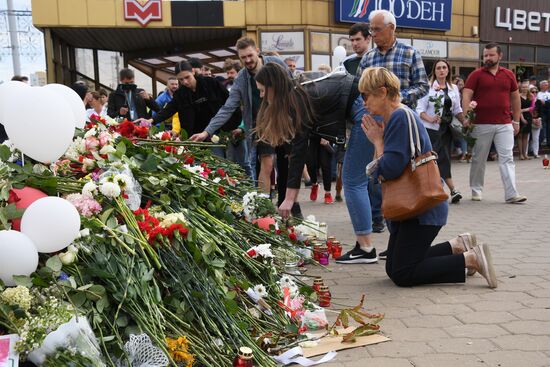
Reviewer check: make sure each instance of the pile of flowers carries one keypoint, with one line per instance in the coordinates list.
(168, 249)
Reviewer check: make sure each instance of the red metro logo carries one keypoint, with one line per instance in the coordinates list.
(143, 11)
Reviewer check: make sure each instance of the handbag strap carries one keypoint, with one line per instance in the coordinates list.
(414, 145)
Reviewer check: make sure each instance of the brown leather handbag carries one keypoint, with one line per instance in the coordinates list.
(419, 187)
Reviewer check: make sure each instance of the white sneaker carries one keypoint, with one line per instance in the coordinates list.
(516, 199)
(476, 196)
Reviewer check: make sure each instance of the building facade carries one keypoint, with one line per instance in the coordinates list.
(109, 34)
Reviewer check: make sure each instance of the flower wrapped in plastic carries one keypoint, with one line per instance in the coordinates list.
(76, 336)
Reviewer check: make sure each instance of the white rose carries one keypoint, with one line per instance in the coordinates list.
(215, 139)
(67, 258)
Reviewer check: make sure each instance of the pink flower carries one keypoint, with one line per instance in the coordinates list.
(473, 104)
(91, 143)
(85, 205)
(104, 138)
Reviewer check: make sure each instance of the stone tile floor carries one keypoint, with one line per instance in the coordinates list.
(459, 324)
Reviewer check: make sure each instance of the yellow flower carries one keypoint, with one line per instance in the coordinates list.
(179, 350)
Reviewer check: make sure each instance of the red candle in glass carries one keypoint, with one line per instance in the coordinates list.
(336, 250)
(330, 241)
(244, 358)
(545, 161)
(324, 297)
(316, 252)
(317, 284)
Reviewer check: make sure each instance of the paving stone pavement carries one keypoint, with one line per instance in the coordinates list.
(458, 324)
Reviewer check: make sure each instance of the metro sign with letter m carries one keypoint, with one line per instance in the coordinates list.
(143, 11)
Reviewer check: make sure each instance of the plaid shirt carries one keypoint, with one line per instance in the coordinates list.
(405, 62)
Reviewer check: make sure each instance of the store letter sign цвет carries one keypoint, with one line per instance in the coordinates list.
(521, 19)
(422, 14)
(143, 11)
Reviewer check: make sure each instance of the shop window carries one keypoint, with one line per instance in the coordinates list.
(522, 53)
(85, 62)
(504, 49)
(543, 55)
(110, 64)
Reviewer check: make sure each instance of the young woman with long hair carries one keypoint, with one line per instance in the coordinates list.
(436, 110)
(284, 121)
(526, 119)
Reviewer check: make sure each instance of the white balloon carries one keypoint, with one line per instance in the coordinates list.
(339, 53)
(6, 89)
(74, 100)
(39, 123)
(52, 223)
(18, 256)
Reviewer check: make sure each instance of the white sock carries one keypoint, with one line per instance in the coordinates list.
(367, 248)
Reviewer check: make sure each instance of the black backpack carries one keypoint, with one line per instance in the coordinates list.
(331, 97)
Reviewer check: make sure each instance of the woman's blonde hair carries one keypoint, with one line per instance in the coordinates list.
(375, 78)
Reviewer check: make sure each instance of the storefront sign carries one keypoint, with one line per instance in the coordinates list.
(463, 50)
(510, 21)
(422, 14)
(143, 11)
(431, 49)
(282, 41)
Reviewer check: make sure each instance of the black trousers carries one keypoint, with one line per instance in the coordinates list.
(442, 141)
(319, 156)
(282, 177)
(413, 261)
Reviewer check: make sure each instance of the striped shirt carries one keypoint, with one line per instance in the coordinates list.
(405, 62)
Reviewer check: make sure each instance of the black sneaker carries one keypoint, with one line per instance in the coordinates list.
(383, 255)
(358, 256)
(455, 196)
(378, 227)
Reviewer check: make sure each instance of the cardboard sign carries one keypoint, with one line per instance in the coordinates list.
(8, 356)
(334, 343)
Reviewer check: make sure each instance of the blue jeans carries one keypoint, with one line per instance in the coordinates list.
(239, 155)
(359, 153)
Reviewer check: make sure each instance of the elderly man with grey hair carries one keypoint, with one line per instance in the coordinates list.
(401, 59)
(405, 62)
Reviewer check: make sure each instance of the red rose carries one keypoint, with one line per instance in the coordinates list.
(166, 136)
(292, 237)
(221, 191)
(141, 131)
(220, 172)
(126, 129)
(189, 160)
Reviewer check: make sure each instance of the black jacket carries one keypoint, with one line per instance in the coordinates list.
(3, 135)
(117, 99)
(196, 109)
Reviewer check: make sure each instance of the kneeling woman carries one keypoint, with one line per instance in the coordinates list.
(411, 258)
(284, 121)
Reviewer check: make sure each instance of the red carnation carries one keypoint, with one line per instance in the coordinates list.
(189, 160)
(221, 191)
(166, 136)
(220, 172)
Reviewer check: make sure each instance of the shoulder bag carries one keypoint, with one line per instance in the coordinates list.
(419, 187)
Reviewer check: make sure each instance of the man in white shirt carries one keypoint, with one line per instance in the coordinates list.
(544, 97)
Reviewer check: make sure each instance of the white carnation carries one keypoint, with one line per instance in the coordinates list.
(110, 189)
(90, 189)
(123, 180)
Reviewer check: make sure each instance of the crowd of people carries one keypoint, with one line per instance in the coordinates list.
(277, 133)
